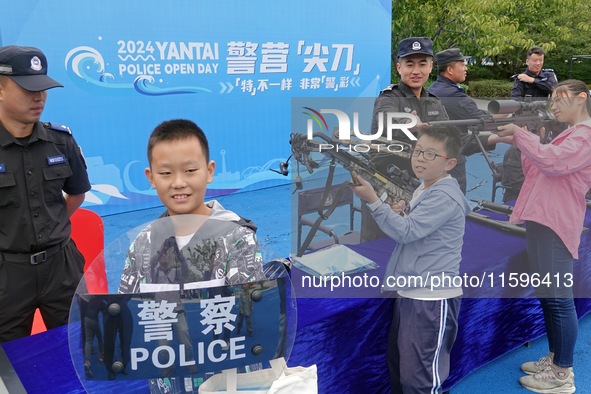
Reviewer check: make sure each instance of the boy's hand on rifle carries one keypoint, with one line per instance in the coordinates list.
(397, 207)
(364, 190)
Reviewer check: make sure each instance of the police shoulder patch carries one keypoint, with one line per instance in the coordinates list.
(391, 87)
(57, 127)
(548, 70)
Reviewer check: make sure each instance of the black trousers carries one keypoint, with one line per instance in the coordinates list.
(421, 337)
(48, 286)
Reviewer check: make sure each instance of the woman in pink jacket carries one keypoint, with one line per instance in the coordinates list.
(552, 203)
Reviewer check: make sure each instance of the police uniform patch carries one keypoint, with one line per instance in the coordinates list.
(58, 127)
(389, 88)
(2, 167)
(53, 160)
(433, 113)
(407, 109)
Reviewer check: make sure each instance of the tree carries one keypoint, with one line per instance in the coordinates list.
(498, 31)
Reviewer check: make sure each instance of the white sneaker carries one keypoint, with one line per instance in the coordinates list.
(532, 367)
(547, 381)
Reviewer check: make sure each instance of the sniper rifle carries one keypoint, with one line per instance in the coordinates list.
(396, 183)
(533, 115)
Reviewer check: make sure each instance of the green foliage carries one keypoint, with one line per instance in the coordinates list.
(490, 88)
(476, 73)
(497, 31)
(581, 68)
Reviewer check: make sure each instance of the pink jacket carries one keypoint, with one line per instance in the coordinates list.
(557, 177)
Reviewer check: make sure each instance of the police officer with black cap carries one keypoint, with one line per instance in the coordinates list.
(43, 180)
(452, 70)
(414, 63)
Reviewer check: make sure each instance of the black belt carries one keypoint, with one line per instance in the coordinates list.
(33, 258)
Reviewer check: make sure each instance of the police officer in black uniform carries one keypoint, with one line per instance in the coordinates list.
(535, 83)
(414, 63)
(452, 70)
(43, 180)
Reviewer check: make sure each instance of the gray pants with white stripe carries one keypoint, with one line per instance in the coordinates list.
(419, 344)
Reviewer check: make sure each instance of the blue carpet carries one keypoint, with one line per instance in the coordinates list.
(501, 375)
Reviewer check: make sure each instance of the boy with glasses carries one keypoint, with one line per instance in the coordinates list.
(429, 237)
(414, 62)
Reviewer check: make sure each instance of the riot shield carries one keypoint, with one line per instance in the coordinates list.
(186, 297)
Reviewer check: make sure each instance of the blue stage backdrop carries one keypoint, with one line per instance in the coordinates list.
(231, 66)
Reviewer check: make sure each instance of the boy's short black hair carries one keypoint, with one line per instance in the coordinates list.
(449, 135)
(177, 129)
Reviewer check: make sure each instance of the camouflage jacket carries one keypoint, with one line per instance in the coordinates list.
(223, 251)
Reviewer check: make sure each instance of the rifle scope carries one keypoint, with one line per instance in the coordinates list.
(516, 107)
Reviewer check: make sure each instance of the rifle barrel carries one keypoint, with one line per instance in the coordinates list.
(462, 122)
(494, 206)
(499, 224)
(516, 107)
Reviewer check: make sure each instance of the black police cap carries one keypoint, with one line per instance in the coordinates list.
(26, 66)
(449, 55)
(415, 45)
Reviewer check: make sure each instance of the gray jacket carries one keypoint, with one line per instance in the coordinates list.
(429, 241)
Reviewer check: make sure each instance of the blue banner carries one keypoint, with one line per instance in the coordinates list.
(231, 66)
